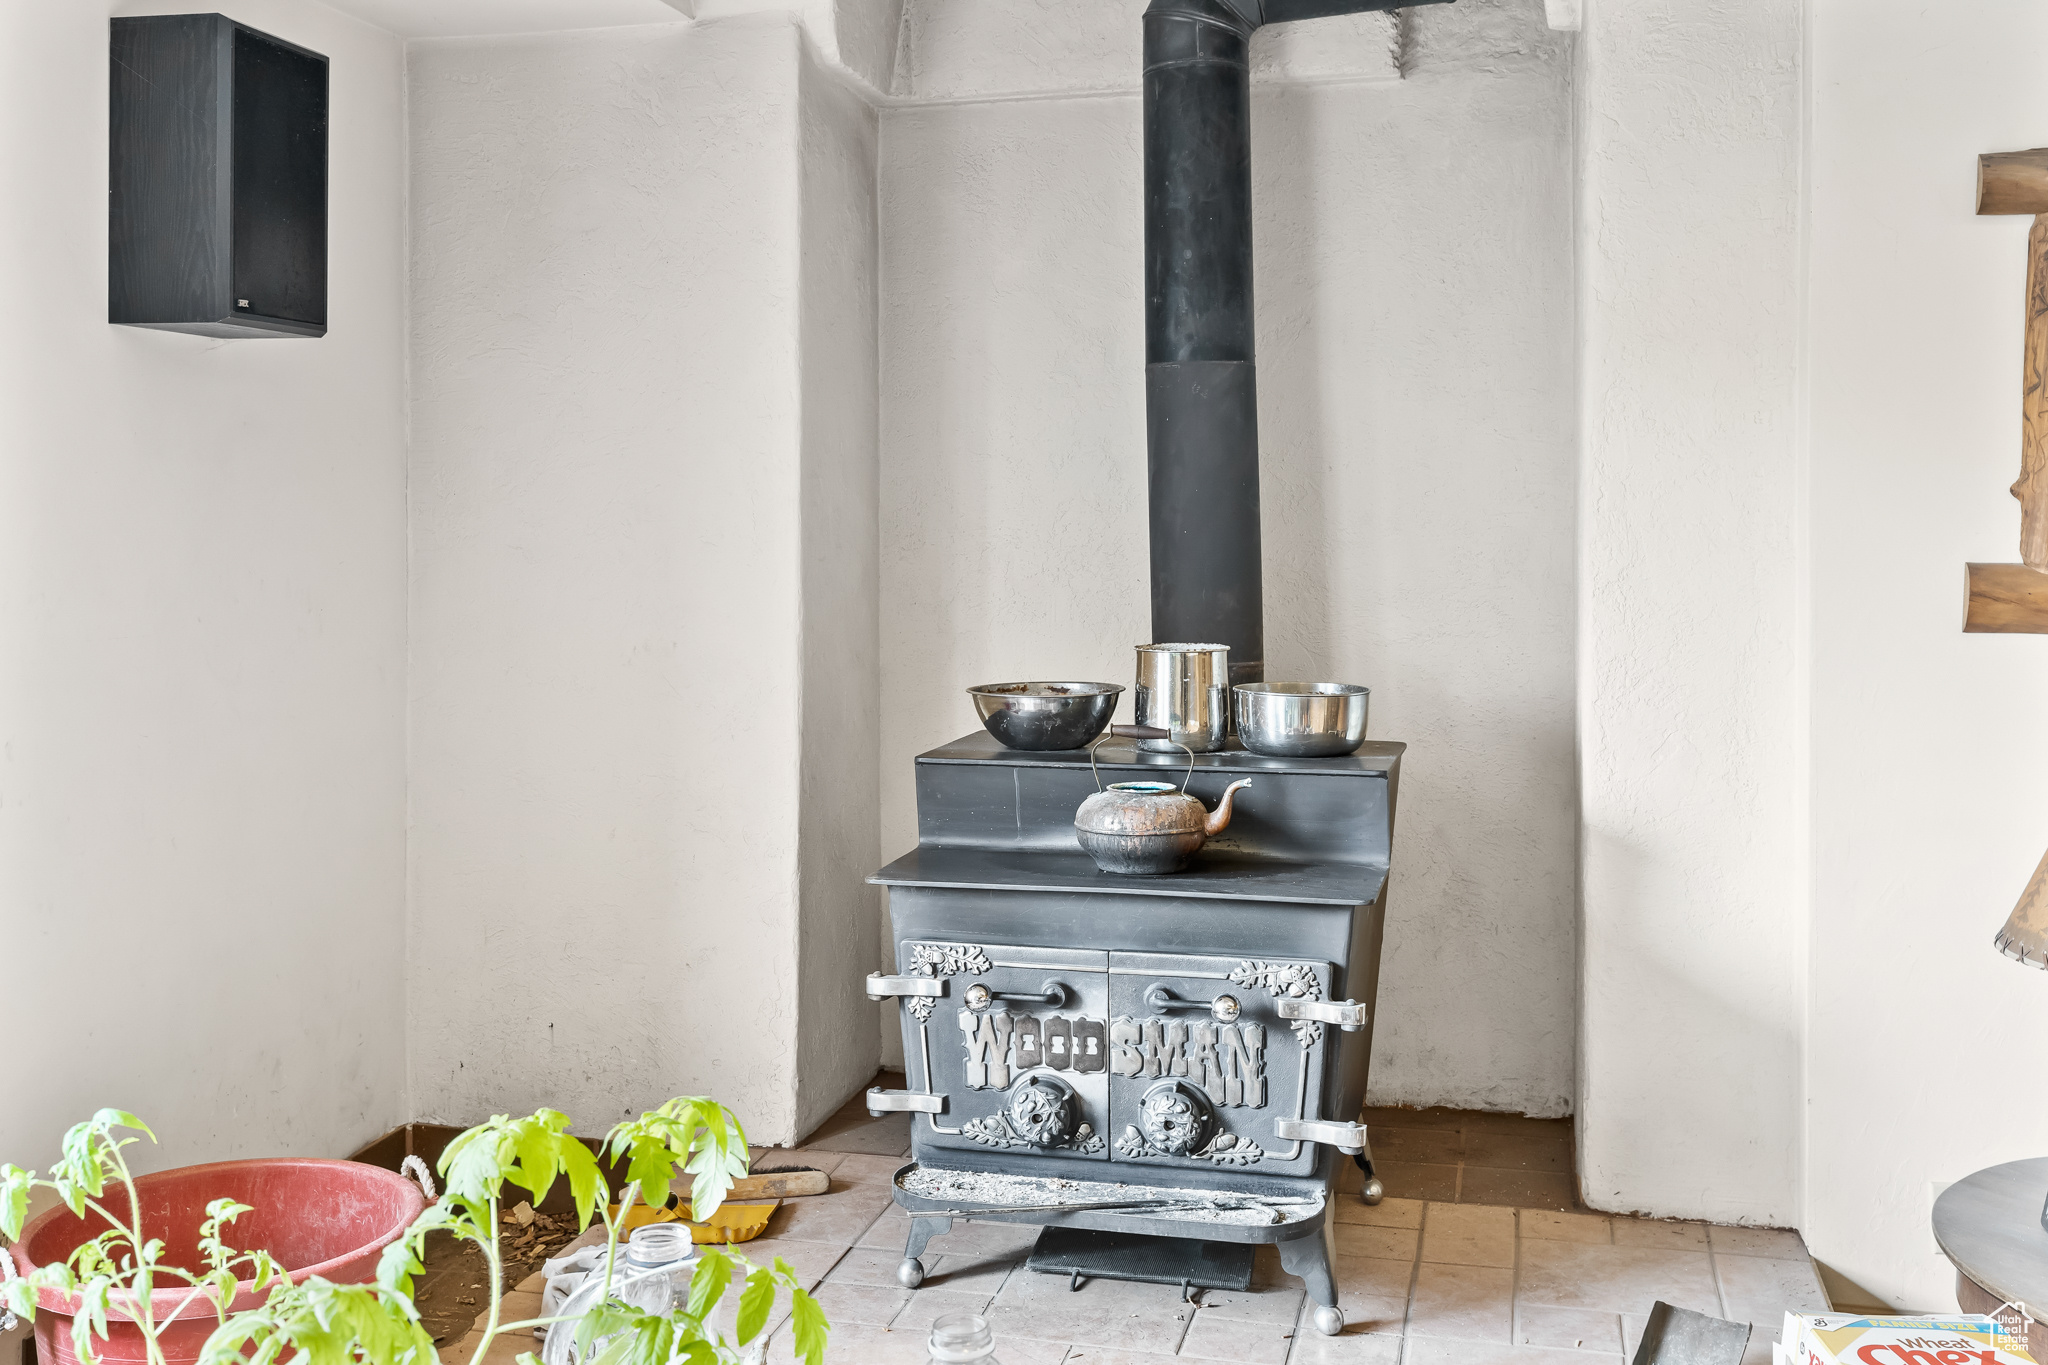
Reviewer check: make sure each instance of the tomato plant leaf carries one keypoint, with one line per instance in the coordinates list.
(755, 1301)
(224, 1287)
(708, 1284)
(14, 1189)
(477, 1160)
(538, 1143)
(396, 1267)
(808, 1328)
(90, 1320)
(586, 1181)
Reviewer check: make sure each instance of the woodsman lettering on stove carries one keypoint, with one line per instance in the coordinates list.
(1227, 1060)
(999, 1043)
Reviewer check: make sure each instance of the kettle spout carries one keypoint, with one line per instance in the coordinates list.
(1219, 819)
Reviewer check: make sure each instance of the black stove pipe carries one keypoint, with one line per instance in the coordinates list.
(1202, 411)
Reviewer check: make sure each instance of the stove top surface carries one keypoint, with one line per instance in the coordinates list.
(1213, 876)
(1378, 758)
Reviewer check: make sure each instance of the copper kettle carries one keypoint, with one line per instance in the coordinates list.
(1146, 829)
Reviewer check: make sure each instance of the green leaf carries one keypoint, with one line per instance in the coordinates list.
(219, 1213)
(700, 1135)
(267, 1270)
(15, 1184)
(476, 1162)
(652, 1167)
(808, 1328)
(18, 1296)
(57, 1277)
(224, 1286)
(586, 1181)
(90, 1319)
(538, 1142)
(97, 1257)
(109, 1119)
(397, 1266)
(708, 1284)
(755, 1301)
(68, 1191)
(324, 1324)
(629, 1336)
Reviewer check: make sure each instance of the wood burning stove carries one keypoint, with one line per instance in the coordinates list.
(1200, 1037)
(1206, 1031)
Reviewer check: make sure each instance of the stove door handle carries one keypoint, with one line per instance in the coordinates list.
(888, 987)
(1224, 1009)
(1348, 1138)
(1348, 1015)
(882, 1102)
(1053, 993)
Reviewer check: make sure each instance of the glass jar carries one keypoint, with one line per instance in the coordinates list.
(963, 1339)
(660, 1259)
(653, 1273)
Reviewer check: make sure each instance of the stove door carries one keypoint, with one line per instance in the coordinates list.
(1018, 1047)
(1201, 1063)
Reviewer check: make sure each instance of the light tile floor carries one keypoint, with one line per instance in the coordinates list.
(1421, 1281)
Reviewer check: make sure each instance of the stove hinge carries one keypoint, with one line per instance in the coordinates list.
(1348, 1138)
(882, 1101)
(889, 987)
(1347, 1015)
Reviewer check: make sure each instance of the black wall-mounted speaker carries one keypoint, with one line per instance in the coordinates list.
(217, 187)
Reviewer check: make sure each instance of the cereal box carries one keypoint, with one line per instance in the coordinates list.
(1846, 1339)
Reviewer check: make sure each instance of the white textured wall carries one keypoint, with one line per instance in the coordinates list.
(607, 585)
(202, 647)
(836, 1052)
(1927, 743)
(1415, 315)
(1036, 49)
(858, 37)
(1690, 704)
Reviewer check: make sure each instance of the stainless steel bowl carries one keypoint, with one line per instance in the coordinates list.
(1301, 720)
(1045, 715)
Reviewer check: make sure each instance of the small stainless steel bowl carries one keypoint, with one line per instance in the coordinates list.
(1301, 720)
(1045, 715)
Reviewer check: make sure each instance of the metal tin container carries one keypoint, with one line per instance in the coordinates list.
(1040, 716)
(1181, 691)
(1301, 720)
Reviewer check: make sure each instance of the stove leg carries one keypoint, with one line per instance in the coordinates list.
(1372, 1191)
(910, 1274)
(1312, 1258)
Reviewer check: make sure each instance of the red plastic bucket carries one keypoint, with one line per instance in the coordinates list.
(327, 1218)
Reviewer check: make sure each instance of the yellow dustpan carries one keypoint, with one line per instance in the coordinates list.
(728, 1222)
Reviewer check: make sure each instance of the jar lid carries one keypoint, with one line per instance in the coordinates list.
(659, 1244)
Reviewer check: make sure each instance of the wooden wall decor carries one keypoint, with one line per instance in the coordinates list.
(2013, 598)
(217, 184)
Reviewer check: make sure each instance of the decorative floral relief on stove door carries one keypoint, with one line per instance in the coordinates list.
(1018, 1046)
(1201, 1062)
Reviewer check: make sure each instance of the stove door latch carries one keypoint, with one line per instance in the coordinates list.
(888, 987)
(882, 1102)
(1348, 1138)
(1345, 1014)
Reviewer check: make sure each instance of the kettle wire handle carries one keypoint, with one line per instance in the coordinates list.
(1140, 732)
